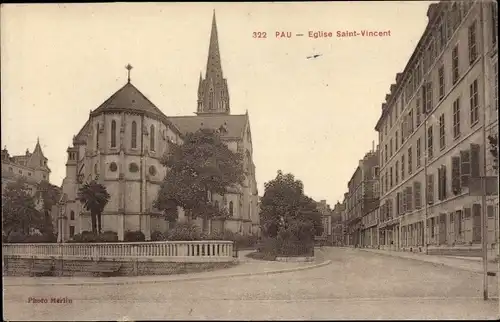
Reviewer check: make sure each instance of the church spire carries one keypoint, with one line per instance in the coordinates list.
(214, 68)
(213, 94)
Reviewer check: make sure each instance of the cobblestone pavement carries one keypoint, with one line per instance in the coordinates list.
(356, 285)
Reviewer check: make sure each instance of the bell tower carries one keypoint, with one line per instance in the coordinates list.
(213, 94)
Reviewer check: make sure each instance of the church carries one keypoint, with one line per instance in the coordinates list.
(122, 143)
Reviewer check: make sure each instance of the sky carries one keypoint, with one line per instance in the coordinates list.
(314, 118)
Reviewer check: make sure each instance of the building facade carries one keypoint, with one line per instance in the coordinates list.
(432, 134)
(122, 144)
(30, 166)
(337, 224)
(362, 196)
(326, 220)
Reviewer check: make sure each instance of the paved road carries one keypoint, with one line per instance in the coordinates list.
(357, 285)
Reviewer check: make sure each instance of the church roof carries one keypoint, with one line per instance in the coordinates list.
(234, 124)
(130, 98)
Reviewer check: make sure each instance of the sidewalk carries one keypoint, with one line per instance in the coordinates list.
(471, 264)
(246, 267)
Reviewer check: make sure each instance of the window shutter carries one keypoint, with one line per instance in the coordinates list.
(398, 204)
(409, 197)
(467, 213)
(430, 189)
(418, 197)
(444, 183)
(455, 175)
(403, 200)
(465, 167)
(457, 224)
(490, 210)
(391, 214)
(476, 223)
(439, 184)
(474, 160)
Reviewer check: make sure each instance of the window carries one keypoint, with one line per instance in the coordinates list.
(29, 174)
(20, 172)
(418, 194)
(432, 227)
(430, 189)
(472, 43)
(97, 136)
(441, 82)
(495, 85)
(113, 134)
(396, 140)
(210, 100)
(442, 142)
(396, 179)
(72, 215)
(71, 231)
(430, 150)
(465, 167)
(402, 167)
(402, 132)
(419, 153)
(417, 109)
(385, 152)
(409, 120)
(476, 223)
(410, 166)
(390, 119)
(442, 182)
(428, 97)
(390, 181)
(152, 138)
(10, 169)
(231, 210)
(454, 65)
(474, 103)
(494, 23)
(133, 141)
(456, 118)
(390, 148)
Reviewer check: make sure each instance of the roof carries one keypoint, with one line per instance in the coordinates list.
(130, 98)
(235, 124)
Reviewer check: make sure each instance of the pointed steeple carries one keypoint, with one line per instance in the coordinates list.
(214, 68)
(213, 94)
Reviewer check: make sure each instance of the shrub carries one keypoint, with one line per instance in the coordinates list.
(108, 237)
(158, 236)
(16, 237)
(134, 236)
(184, 231)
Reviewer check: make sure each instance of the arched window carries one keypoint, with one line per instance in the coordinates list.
(231, 208)
(152, 138)
(72, 215)
(210, 100)
(113, 133)
(97, 136)
(134, 135)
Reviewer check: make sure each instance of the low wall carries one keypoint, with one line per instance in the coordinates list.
(143, 258)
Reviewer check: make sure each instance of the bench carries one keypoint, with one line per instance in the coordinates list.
(43, 268)
(105, 268)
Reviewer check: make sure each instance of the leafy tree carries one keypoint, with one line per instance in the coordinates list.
(285, 208)
(493, 140)
(19, 212)
(94, 198)
(50, 195)
(197, 169)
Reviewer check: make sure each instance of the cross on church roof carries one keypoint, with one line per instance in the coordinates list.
(129, 67)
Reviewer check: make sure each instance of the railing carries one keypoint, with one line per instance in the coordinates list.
(167, 251)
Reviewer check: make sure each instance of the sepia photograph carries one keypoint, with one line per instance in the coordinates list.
(332, 160)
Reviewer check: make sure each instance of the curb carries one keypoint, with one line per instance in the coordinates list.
(472, 270)
(188, 279)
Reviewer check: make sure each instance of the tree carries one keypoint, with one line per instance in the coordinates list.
(285, 207)
(493, 140)
(94, 197)
(50, 195)
(199, 168)
(19, 212)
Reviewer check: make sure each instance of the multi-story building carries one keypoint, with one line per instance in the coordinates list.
(344, 220)
(326, 220)
(362, 196)
(369, 229)
(337, 225)
(432, 135)
(30, 166)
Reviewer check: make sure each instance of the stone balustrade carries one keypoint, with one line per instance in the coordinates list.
(161, 251)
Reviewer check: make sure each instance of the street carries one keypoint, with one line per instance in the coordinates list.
(356, 285)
